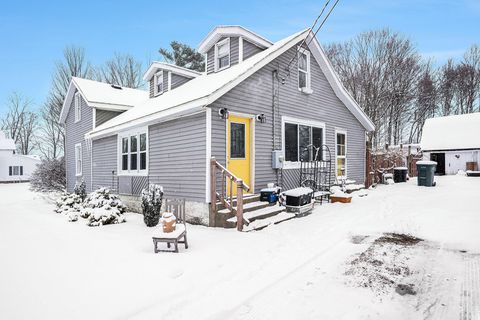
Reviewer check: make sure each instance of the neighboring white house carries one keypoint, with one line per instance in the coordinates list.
(453, 142)
(14, 167)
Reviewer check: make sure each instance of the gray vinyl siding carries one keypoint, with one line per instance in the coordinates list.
(249, 49)
(74, 133)
(102, 116)
(177, 157)
(178, 80)
(234, 54)
(254, 95)
(104, 162)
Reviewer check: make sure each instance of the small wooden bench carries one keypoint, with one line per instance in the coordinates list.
(179, 235)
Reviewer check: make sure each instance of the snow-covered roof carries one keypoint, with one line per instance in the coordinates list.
(5, 143)
(155, 65)
(451, 132)
(102, 95)
(205, 89)
(224, 31)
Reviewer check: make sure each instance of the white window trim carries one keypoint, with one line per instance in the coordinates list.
(155, 83)
(304, 122)
(127, 134)
(341, 131)
(78, 156)
(77, 106)
(308, 88)
(218, 44)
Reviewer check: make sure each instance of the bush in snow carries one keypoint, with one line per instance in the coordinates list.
(151, 204)
(70, 205)
(101, 208)
(80, 190)
(49, 175)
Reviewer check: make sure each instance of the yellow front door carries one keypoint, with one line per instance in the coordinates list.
(238, 149)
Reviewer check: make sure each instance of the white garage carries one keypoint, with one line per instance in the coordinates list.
(453, 142)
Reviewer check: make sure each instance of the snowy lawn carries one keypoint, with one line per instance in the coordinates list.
(54, 269)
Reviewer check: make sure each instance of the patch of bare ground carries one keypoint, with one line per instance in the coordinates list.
(383, 266)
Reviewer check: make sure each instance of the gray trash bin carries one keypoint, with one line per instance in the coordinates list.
(426, 173)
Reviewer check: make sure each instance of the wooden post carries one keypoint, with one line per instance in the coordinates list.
(240, 205)
(213, 192)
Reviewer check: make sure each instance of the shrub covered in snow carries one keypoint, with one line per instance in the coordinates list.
(101, 208)
(80, 190)
(68, 203)
(151, 204)
(49, 175)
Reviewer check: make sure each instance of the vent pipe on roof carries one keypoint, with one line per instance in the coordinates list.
(116, 86)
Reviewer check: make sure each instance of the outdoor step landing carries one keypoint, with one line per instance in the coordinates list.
(263, 223)
(247, 207)
(246, 199)
(259, 214)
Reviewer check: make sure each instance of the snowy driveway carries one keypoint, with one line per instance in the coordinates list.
(53, 269)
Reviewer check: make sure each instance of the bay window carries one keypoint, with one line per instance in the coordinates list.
(133, 153)
(341, 153)
(298, 136)
(222, 54)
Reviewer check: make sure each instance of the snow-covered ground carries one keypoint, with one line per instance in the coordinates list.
(300, 269)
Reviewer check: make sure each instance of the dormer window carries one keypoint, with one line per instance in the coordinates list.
(77, 106)
(304, 70)
(222, 54)
(158, 83)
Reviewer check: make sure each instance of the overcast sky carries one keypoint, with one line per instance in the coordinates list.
(34, 33)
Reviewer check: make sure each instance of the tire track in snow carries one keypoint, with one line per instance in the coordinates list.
(470, 293)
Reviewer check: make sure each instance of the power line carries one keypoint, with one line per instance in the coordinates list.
(287, 68)
(310, 30)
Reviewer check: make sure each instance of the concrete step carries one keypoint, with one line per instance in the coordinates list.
(262, 213)
(247, 207)
(263, 223)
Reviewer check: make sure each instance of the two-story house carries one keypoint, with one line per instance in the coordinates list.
(256, 100)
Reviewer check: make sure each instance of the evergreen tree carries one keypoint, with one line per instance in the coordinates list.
(151, 204)
(183, 55)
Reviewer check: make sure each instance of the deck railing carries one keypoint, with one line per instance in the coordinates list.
(226, 198)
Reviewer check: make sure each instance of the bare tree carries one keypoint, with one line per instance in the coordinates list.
(12, 122)
(28, 132)
(122, 70)
(380, 69)
(446, 87)
(425, 103)
(20, 122)
(74, 64)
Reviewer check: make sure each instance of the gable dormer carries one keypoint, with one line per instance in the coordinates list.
(226, 46)
(163, 77)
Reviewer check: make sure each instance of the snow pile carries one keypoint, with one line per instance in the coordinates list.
(338, 191)
(101, 208)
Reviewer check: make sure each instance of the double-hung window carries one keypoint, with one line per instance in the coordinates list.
(302, 140)
(78, 159)
(303, 70)
(158, 83)
(133, 153)
(77, 102)
(341, 153)
(222, 54)
(15, 170)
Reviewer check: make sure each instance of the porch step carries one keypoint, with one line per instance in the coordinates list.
(247, 207)
(263, 223)
(262, 213)
(246, 199)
